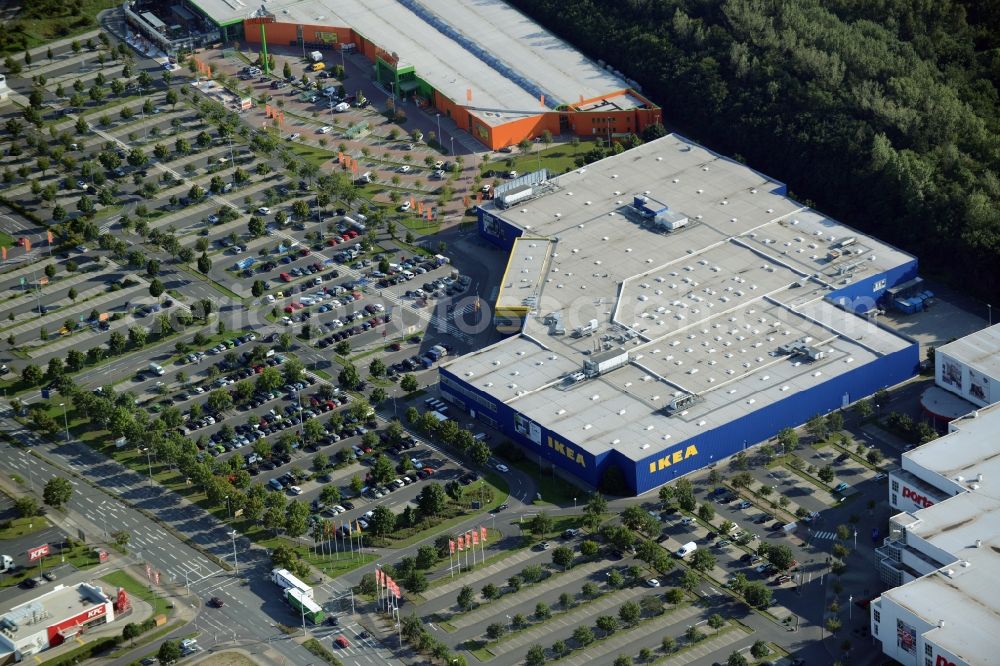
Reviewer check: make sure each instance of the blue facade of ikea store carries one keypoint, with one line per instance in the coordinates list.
(683, 457)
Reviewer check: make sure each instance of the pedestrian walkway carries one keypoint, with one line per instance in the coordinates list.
(497, 608)
(455, 584)
(822, 535)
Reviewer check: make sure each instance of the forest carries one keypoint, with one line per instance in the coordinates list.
(883, 114)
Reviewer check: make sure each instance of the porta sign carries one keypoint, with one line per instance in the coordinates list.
(36, 553)
(917, 498)
(941, 661)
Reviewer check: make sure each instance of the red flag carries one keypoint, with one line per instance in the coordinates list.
(413, 201)
(4, 249)
(482, 534)
(542, 100)
(451, 546)
(460, 543)
(468, 94)
(156, 577)
(475, 538)
(50, 237)
(27, 245)
(420, 208)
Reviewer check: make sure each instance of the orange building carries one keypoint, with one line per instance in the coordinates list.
(501, 77)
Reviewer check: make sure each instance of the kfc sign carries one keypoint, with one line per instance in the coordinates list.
(96, 611)
(941, 661)
(916, 498)
(35, 553)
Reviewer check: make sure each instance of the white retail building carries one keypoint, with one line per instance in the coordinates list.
(943, 551)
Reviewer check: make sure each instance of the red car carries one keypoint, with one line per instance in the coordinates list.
(342, 642)
(332, 241)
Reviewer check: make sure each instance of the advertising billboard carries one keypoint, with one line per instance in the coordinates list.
(906, 637)
(979, 387)
(39, 552)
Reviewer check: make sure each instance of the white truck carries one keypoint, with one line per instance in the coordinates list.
(340, 108)
(316, 56)
(157, 369)
(7, 564)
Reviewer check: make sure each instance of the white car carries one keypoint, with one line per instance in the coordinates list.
(439, 164)
(293, 137)
(270, 298)
(512, 174)
(295, 490)
(502, 468)
(338, 509)
(762, 567)
(404, 169)
(653, 582)
(326, 129)
(405, 206)
(264, 210)
(213, 219)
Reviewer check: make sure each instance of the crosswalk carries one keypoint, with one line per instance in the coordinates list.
(823, 535)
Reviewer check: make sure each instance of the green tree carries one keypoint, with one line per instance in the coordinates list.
(563, 557)
(169, 652)
(57, 492)
(584, 636)
(26, 506)
(736, 659)
(432, 499)
(465, 598)
(409, 383)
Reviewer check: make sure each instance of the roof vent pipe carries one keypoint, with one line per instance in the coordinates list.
(979, 543)
(979, 478)
(940, 624)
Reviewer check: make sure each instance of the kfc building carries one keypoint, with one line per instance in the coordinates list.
(59, 615)
(942, 555)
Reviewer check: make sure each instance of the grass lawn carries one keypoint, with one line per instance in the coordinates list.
(419, 225)
(329, 565)
(553, 489)
(19, 527)
(558, 158)
(136, 588)
(313, 154)
(54, 22)
(6, 240)
(490, 480)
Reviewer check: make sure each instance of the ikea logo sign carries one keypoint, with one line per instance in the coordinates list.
(566, 450)
(672, 458)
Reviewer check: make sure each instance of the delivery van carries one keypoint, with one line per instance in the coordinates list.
(686, 549)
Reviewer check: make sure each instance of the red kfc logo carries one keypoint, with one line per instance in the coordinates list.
(917, 498)
(941, 661)
(94, 612)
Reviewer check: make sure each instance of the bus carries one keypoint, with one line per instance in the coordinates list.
(284, 579)
(306, 606)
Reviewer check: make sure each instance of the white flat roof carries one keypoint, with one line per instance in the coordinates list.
(702, 311)
(972, 448)
(517, 59)
(979, 350)
(964, 593)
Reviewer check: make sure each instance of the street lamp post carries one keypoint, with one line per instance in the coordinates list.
(850, 602)
(989, 309)
(236, 563)
(65, 419)
(229, 507)
(438, 116)
(149, 463)
(452, 146)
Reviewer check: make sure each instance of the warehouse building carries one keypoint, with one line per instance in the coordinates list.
(943, 551)
(493, 71)
(63, 613)
(672, 307)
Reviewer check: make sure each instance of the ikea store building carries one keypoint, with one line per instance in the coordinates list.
(670, 307)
